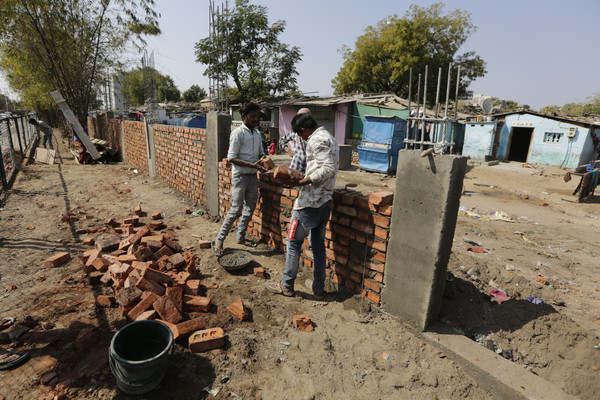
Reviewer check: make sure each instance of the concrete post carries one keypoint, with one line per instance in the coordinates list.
(426, 202)
(218, 128)
(150, 149)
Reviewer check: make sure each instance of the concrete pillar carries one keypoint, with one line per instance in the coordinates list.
(150, 148)
(218, 128)
(426, 202)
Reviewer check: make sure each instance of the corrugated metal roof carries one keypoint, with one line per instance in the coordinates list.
(577, 120)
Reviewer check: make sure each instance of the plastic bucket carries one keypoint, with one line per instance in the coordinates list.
(139, 355)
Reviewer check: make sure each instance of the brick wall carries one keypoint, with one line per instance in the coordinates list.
(356, 238)
(180, 159)
(357, 233)
(135, 151)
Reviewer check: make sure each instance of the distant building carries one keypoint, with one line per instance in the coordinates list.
(528, 136)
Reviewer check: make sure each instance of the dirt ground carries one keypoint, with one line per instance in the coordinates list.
(344, 357)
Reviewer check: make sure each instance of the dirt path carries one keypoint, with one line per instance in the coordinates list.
(266, 357)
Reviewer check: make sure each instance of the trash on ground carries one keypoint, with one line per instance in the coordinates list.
(536, 300)
(499, 296)
(385, 356)
(476, 249)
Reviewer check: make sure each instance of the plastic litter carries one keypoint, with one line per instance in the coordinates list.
(471, 242)
(385, 356)
(476, 249)
(536, 300)
(499, 296)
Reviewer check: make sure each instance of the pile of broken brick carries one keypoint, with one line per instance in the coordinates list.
(149, 275)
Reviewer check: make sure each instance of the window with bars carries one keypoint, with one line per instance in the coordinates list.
(552, 137)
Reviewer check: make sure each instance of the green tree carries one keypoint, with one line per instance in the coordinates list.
(384, 54)
(132, 87)
(590, 107)
(194, 93)
(252, 55)
(65, 44)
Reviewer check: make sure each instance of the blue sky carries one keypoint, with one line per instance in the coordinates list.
(538, 52)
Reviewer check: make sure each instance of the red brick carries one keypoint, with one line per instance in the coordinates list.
(156, 225)
(157, 276)
(146, 315)
(378, 277)
(89, 241)
(158, 238)
(151, 286)
(142, 306)
(192, 287)
(120, 271)
(188, 327)
(154, 245)
(383, 222)
(203, 244)
(363, 215)
(128, 296)
(164, 251)
(156, 215)
(177, 260)
(348, 210)
(57, 259)
(131, 220)
(260, 272)
(196, 303)
(303, 322)
(100, 264)
(127, 258)
(385, 209)
(362, 202)
(143, 254)
(381, 198)
(173, 245)
(112, 222)
(340, 230)
(238, 310)
(381, 233)
(167, 310)
(375, 298)
(108, 244)
(207, 339)
(379, 257)
(362, 226)
(172, 327)
(138, 210)
(374, 286)
(348, 197)
(379, 245)
(175, 294)
(105, 301)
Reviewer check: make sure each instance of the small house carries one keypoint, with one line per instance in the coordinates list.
(532, 137)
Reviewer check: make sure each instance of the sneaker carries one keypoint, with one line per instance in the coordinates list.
(309, 285)
(278, 288)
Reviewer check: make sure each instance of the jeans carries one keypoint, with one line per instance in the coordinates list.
(305, 221)
(48, 139)
(244, 193)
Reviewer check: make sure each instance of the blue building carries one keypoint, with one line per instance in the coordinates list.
(528, 136)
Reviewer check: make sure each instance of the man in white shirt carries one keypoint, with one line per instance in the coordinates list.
(312, 207)
(245, 150)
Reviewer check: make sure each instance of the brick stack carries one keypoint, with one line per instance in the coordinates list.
(136, 151)
(180, 159)
(149, 276)
(357, 233)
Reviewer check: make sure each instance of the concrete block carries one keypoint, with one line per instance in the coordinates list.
(426, 201)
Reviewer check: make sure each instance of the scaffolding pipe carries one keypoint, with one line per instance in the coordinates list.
(424, 107)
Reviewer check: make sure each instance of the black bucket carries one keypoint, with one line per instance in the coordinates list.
(139, 355)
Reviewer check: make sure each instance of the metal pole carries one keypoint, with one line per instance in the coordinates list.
(456, 93)
(418, 109)
(437, 101)
(409, 89)
(2, 170)
(448, 90)
(424, 107)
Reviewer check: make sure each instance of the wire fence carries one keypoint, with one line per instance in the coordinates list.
(16, 135)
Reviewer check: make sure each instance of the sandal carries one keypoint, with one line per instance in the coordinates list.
(278, 288)
(217, 251)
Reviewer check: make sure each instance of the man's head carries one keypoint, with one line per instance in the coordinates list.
(250, 113)
(33, 121)
(304, 111)
(304, 125)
